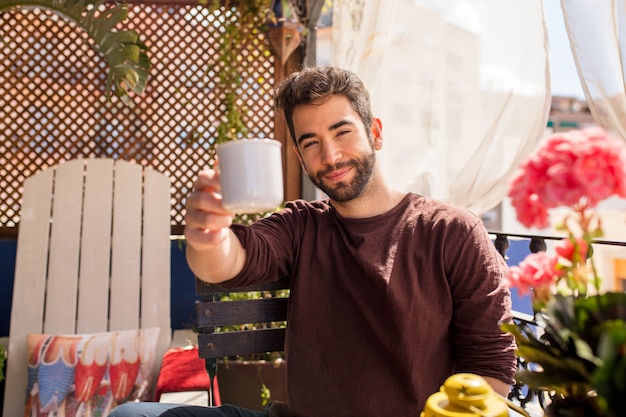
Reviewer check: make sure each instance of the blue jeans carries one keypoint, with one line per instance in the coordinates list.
(154, 409)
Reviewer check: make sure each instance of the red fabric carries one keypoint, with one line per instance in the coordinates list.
(183, 370)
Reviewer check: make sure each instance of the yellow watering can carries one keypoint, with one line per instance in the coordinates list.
(468, 395)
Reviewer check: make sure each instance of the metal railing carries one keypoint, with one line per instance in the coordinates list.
(520, 393)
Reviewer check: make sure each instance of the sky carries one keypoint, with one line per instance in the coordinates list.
(564, 78)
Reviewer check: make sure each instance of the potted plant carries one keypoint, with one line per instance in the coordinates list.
(579, 355)
(246, 23)
(253, 380)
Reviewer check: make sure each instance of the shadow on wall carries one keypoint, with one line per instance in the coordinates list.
(183, 294)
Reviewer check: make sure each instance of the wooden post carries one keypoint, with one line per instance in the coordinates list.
(287, 50)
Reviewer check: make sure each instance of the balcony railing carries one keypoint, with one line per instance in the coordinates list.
(520, 393)
(529, 399)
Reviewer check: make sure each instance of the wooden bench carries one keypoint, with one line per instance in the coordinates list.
(230, 324)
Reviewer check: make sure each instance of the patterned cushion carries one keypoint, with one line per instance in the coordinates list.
(89, 374)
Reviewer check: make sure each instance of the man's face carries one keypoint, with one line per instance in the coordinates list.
(334, 148)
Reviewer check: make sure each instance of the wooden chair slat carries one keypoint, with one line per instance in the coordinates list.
(95, 247)
(225, 313)
(155, 257)
(126, 249)
(218, 345)
(31, 263)
(62, 283)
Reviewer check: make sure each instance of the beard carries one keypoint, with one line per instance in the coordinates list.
(346, 191)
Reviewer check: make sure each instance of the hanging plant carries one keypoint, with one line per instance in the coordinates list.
(246, 22)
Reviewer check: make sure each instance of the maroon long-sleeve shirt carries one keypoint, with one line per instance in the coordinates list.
(382, 309)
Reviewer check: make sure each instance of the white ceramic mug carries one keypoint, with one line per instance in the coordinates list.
(251, 175)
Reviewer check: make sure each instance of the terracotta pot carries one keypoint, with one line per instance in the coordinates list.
(240, 382)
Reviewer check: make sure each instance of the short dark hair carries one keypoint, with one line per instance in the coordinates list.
(314, 83)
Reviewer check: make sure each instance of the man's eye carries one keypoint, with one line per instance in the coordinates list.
(309, 144)
(343, 132)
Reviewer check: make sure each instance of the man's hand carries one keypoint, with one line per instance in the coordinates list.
(206, 221)
(214, 253)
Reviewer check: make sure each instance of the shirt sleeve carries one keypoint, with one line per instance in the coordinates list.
(482, 302)
(269, 247)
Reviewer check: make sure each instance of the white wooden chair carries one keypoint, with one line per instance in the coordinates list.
(93, 255)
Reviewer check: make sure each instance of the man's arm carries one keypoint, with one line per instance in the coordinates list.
(214, 253)
(219, 263)
(482, 303)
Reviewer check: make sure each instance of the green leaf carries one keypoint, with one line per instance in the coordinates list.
(582, 349)
(548, 382)
(123, 51)
(110, 18)
(609, 379)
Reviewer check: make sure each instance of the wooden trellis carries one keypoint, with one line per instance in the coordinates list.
(53, 107)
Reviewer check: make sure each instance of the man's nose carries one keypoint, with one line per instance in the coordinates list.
(331, 153)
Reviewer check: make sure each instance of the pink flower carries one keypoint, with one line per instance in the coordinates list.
(569, 169)
(530, 210)
(574, 250)
(537, 270)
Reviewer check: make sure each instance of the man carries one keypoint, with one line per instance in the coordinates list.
(391, 292)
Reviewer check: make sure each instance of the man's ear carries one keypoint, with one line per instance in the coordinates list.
(377, 133)
(297, 151)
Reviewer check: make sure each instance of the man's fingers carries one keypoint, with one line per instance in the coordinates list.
(208, 220)
(208, 179)
(201, 203)
(202, 239)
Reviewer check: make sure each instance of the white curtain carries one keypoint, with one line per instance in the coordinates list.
(597, 34)
(462, 88)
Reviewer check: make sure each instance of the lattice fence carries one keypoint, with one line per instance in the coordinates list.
(53, 107)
